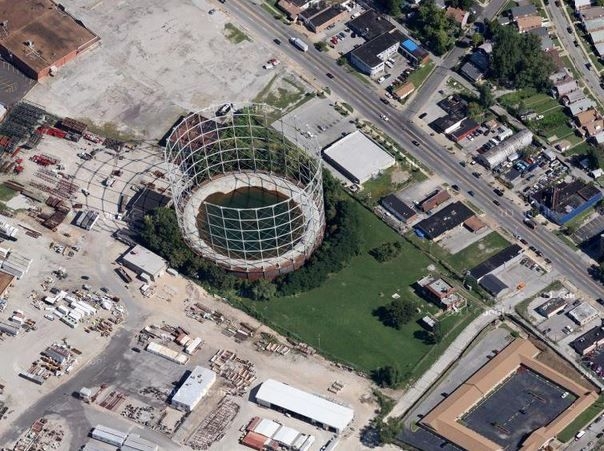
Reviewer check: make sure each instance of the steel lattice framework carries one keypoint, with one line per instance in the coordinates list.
(212, 152)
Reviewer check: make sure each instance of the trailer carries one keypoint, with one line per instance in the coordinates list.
(124, 275)
(299, 43)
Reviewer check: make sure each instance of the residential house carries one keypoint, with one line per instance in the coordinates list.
(572, 97)
(294, 7)
(523, 11)
(564, 86)
(458, 15)
(404, 90)
(593, 12)
(439, 291)
(414, 52)
(582, 4)
(528, 23)
(580, 106)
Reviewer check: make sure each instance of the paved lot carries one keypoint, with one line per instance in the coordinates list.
(418, 191)
(157, 60)
(460, 238)
(13, 84)
(523, 403)
(316, 124)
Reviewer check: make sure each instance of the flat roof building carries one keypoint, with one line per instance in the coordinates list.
(369, 57)
(144, 262)
(310, 407)
(505, 149)
(370, 25)
(501, 258)
(583, 313)
(563, 202)
(494, 285)
(520, 356)
(441, 292)
(40, 36)
(193, 389)
(589, 341)
(357, 157)
(399, 209)
(552, 306)
(442, 221)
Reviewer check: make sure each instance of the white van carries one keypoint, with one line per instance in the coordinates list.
(579, 435)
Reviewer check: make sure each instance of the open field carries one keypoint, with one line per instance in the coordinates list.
(337, 317)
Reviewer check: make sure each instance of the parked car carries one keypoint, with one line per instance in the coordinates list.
(471, 193)
(330, 75)
(415, 143)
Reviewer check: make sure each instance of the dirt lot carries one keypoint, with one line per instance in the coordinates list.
(156, 60)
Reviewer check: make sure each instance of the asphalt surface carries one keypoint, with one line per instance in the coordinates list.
(576, 54)
(404, 131)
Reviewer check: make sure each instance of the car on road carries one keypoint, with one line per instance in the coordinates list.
(384, 100)
(415, 143)
(498, 192)
(455, 187)
(330, 75)
(576, 43)
(384, 117)
(477, 174)
(588, 66)
(471, 193)
(423, 115)
(136, 350)
(569, 29)
(277, 41)
(496, 202)
(462, 164)
(212, 11)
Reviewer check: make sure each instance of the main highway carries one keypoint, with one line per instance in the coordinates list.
(404, 131)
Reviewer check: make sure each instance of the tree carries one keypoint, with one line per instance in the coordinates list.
(263, 290)
(392, 7)
(518, 60)
(437, 31)
(386, 376)
(397, 313)
(461, 4)
(475, 110)
(477, 39)
(486, 99)
(437, 333)
(386, 251)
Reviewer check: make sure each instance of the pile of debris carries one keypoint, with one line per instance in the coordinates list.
(238, 373)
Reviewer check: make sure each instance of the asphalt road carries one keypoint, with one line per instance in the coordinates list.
(402, 130)
(577, 55)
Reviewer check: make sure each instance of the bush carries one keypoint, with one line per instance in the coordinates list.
(386, 251)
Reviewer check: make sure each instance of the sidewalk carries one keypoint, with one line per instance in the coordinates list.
(452, 353)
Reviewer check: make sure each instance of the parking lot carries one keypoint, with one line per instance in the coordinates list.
(316, 124)
(156, 61)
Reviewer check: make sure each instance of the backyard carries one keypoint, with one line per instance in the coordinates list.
(338, 319)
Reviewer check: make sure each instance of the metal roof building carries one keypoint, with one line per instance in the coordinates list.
(142, 261)
(135, 442)
(357, 157)
(500, 153)
(193, 389)
(311, 407)
(108, 435)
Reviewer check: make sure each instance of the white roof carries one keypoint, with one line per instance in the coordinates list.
(135, 442)
(286, 435)
(305, 404)
(195, 386)
(266, 427)
(145, 260)
(359, 156)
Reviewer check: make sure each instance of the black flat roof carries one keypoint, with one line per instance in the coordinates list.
(445, 219)
(466, 126)
(326, 15)
(493, 284)
(397, 207)
(588, 339)
(494, 262)
(370, 25)
(368, 52)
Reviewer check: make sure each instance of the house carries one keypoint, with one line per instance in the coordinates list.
(592, 25)
(593, 128)
(458, 15)
(523, 11)
(564, 86)
(572, 97)
(404, 90)
(528, 23)
(436, 198)
(597, 36)
(414, 53)
(474, 224)
(441, 292)
(589, 341)
(585, 117)
(369, 58)
(471, 72)
(580, 106)
(592, 12)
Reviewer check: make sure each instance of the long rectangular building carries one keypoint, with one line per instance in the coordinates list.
(442, 221)
(311, 407)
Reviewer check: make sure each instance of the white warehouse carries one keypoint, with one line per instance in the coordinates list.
(310, 407)
(508, 147)
(194, 388)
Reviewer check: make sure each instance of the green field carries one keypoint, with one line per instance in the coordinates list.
(418, 76)
(337, 318)
(6, 194)
(478, 252)
(234, 34)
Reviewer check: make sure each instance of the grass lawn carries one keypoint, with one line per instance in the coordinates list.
(337, 317)
(417, 77)
(479, 251)
(6, 194)
(234, 34)
(581, 421)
